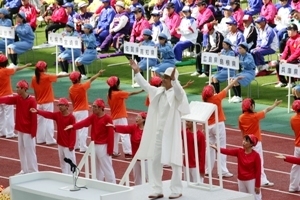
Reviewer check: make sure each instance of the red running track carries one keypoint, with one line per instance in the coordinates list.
(277, 171)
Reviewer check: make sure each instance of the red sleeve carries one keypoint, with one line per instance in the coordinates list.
(32, 20)
(132, 32)
(258, 171)
(83, 123)
(230, 152)
(295, 55)
(125, 129)
(47, 114)
(292, 159)
(122, 94)
(99, 9)
(12, 100)
(33, 118)
(110, 137)
(260, 115)
(72, 134)
(222, 94)
(201, 151)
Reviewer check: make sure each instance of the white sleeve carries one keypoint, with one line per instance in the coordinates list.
(123, 21)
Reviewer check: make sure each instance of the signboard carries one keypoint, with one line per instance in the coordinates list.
(147, 52)
(73, 42)
(7, 32)
(55, 38)
(231, 62)
(287, 69)
(131, 48)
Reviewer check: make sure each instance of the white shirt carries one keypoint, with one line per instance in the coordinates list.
(222, 27)
(188, 30)
(163, 111)
(213, 40)
(284, 22)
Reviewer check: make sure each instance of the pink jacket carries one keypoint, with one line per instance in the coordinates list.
(238, 16)
(59, 15)
(30, 13)
(137, 29)
(204, 16)
(173, 22)
(296, 5)
(269, 11)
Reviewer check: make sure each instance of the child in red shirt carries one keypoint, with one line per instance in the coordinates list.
(26, 126)
(191, 153)
(65, 139)
(249, 166)
(103, 136)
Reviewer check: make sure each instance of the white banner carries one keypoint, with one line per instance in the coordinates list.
(230, 62)
(209, 58)
(73, 42)
(287, 69)
(131, 48)
(55, 38)
(147, 51)
(7, 32)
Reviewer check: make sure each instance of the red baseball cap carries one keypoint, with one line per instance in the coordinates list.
(74, 76)
(41, 65)
(155, 81)
(143, 115)
(63, 101)
(253, 139)
(207, 92)
(3, 58)
(246, 104)
(99, 102)
(296, 105)
(112, 81)
(23, 84)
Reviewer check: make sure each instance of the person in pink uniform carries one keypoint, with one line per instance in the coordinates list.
(65, 139)
(238, 13)
(139, 25)
(249, 166)
(103, 136)
(295, 4)
(30, 13)
(191, 153)
(268, 10)
(26, 126)
(136, 132)
(172, 22)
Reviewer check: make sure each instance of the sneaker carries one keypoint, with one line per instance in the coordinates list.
(136, 85)
(278, 85)
(237, 100)
(98, 49)
(269, 184)
(232, 98)
(177, 61)
(156, 196)
(195, 74)
(175, 195)
(203, 75)
(62, 73)
(11, 136)
(290, 85)
(116, 155)
(128, 156)
(227, 175)
(83, 77)
(265, 67)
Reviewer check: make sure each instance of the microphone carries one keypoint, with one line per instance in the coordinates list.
(70, 162)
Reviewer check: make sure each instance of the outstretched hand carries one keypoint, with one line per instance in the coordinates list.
(33, 110)
(101, 71)
(280, 156)
(68, 127)
(277, 102)
(28, 64)
(134, 66)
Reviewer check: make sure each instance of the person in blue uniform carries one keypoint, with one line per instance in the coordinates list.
(26, 38)
(66, 55)
(90, 53)
(4, 21)
(165, 51)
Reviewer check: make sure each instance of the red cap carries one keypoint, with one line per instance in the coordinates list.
(41, 65)
(112, 81)
(63, 101)
(296, 105)
(99, 102)
(74, 76)
(208, 91)
(155, 81)
(23, 84)
(207, 27)
(246, 104)
(143, 115)
(253, 139)
(3, 58)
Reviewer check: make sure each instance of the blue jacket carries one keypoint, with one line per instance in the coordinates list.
(13, 4)
(255, 7)
(178, 5)
(166, 51)
(265, 42)
(247, 61)
(25, 33)
(89, 41)
(106, 17)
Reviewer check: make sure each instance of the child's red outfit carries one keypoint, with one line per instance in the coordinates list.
(192, 156)
(292, 160)
(135, 139)
(65, 139)
(26, 126)
(249, 170)
(103, 137)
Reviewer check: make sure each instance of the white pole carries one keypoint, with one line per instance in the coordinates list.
(229, 91)
(208, 157)
(186, 153)
(6, 54)
(132, 72)
(148, 70)
(56, 63)
(209, 78)
(289, 95)
(73, 61)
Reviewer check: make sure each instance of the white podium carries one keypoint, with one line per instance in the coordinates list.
(53, 185)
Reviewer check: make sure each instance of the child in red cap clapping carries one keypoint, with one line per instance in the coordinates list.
(65, 139)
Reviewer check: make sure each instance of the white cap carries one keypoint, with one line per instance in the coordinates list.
(186, 9)
(120, 3)
(82, 4)
(169, 71)
(155, 12)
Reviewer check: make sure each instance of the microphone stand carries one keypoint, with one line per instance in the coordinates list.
(74, 169)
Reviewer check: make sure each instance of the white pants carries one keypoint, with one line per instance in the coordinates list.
(7, 120)
(295, 173)
(259, 150)
(27, 153)
(45, 127)
(125, 138)
(64, 152)
(157, 170)
(104, 164)
(192, 172)
(211, 152)
(249, 187)
(137, 172)
(81, 134)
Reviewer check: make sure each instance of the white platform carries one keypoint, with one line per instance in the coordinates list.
(141, 192)
(52, 185)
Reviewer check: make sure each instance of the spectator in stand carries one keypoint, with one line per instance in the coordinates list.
(188, 31)
(139, 25)
(247, 66)
(249, 166)
(66, 56)
(57, 20)
(105, 18)
(254, 7)
(235, 36)
(119, 28)
(238, 13)
(166, 53)
(100, 8)
(12, 6)
(90, 52)
(103, 137)
(82, 17)
(296, 92)
(295, 4)
(69, 7)
(291, 54)
(30, 13)
(173, 22)
(49, 8)
(250, 31)
(161, 7)
(268, 11)
(282, 19)
(26, 37)
(158, 27)
(222, 27)
(214, 46)
(132, 8)
(192, 173)
(267, 43)
(65, 139)
(5, 21)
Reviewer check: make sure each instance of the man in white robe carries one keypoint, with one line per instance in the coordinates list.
(161, 141)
